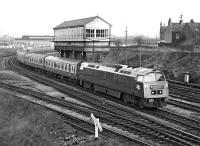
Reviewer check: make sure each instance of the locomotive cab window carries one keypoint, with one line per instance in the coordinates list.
(152, 77)
(140, 78)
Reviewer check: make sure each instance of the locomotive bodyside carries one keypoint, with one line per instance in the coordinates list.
(126, 83)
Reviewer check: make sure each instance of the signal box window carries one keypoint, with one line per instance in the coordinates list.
(89, 33)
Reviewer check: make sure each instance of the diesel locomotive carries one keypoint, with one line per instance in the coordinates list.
(141, 86)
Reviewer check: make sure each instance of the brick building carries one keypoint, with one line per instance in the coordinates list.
(191, 32)
(172, 32)
(186, 34)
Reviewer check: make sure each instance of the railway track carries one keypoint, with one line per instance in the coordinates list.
(177, 101)
(171, 134)
(185, 96)
(191, 125)
(185, 92)
(126, 127)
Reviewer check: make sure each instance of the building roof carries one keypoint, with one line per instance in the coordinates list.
(173, 26)
(177, 26)
(78, 22)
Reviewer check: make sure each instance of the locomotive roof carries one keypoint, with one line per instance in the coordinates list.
(63, 60)
(119, 69)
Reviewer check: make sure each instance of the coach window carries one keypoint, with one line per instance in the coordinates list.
(69, 68)
(72, 69)
(55, 65)
(59, 66)
(65, 67)
(62, 66)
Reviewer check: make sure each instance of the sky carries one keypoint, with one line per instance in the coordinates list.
(141, 17)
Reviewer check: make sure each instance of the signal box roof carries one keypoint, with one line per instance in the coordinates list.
(78, 22)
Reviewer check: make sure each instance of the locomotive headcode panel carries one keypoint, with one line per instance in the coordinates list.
(155, 88)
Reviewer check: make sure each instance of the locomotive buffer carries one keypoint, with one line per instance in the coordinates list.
(97, 125)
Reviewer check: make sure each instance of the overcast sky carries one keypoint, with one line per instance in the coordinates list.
(38, 17)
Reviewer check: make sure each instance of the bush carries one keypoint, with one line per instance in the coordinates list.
(22, 123)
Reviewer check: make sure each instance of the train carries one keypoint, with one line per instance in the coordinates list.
(144, 87)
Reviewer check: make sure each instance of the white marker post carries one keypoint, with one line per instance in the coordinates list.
(97, 125)
(186, 77)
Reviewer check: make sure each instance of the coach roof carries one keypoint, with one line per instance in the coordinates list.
(62, 60)
(78, 22)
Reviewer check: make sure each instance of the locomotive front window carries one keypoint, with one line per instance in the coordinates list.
(152, 77)
(160, 77)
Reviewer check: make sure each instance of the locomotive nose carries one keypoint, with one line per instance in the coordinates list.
(156, 90)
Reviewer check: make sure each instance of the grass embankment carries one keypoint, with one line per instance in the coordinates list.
(23, 123)
(7, 52)
(174, 63)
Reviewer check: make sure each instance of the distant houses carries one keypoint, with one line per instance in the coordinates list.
(34, 42)
(180, 34)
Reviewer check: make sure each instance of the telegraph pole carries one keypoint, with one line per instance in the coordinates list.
(126, 44)
(126, 36)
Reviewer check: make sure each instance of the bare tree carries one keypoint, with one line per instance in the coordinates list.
(139, 39)
(118, 43)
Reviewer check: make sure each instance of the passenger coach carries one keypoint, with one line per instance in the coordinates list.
(64, 67)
